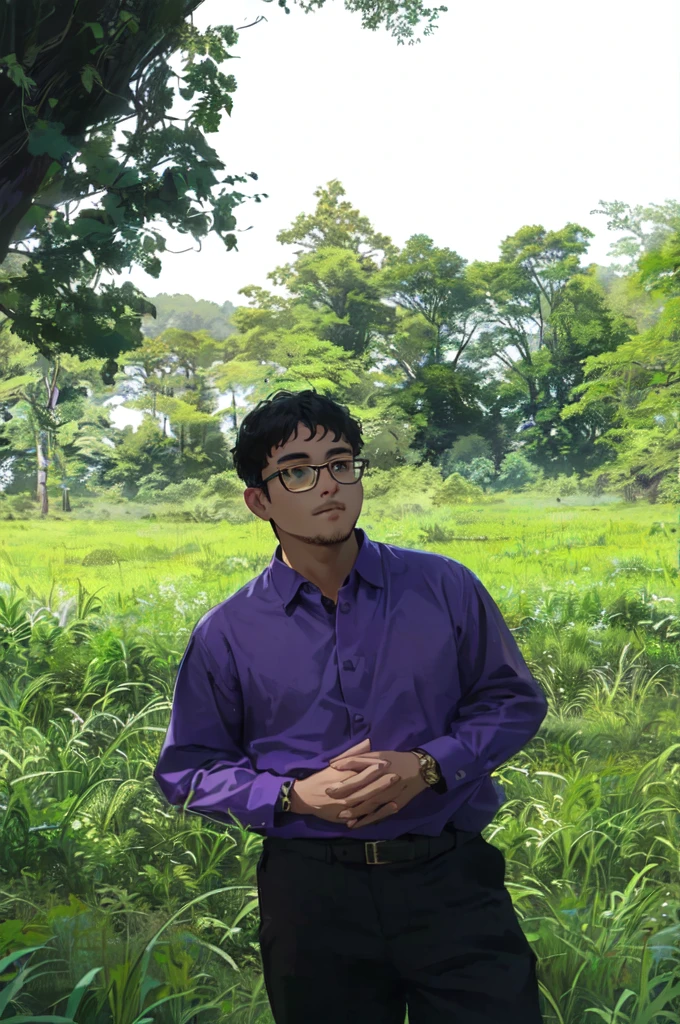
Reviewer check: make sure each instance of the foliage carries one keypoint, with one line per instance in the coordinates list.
(479, 471)
(432, 282)
(456, 488)
(639, 241)
(189, 314)
(464, 450)
(640, 383)
(517, 472)
(660, 268)
(110, 72)
(427, 350)
(86, 682)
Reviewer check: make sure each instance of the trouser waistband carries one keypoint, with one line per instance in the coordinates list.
(377, 851)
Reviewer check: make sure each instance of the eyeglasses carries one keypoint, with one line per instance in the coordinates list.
(303, 478)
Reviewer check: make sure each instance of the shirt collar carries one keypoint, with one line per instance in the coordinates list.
(287, 581)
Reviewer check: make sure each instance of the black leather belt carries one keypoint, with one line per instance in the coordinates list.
(377, 851)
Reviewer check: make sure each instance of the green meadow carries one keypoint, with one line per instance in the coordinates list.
(116, 908)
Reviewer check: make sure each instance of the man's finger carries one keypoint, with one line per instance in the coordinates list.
(382, 812)
(345, 764)
(355, 786)
(369, 793)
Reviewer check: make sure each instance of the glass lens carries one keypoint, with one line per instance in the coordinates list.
(301, 478)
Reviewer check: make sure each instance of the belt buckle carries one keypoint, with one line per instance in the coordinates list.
(374, 844)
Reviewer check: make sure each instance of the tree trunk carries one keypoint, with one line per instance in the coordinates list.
(233, 409)
(36, 438)
(42, 474)
(42, 442)
(65, 501)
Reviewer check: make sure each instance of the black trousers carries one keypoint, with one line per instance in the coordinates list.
(350, 942)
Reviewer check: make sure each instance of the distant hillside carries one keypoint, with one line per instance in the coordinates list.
(189, 314)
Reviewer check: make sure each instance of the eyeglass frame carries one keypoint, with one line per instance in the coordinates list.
(317, 474)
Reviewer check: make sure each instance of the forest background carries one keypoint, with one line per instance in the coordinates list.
(537, 365)
(520, 413)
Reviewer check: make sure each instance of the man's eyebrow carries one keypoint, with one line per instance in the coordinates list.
(305, 455)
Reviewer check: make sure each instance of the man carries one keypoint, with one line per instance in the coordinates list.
(350, 703)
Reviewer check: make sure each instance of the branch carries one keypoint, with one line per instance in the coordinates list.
(256, 22)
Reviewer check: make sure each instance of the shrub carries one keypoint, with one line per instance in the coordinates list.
(479, 471)
(456, 489)
(102, 556)
(462, 453)
(177, 494)
(20, 506)
(150, 486)
(562, 485)
(213, 511)
(669, 489)
(396, 485)
(517, 472)
(224, 485)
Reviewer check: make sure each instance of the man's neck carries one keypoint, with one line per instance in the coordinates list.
(328, 575)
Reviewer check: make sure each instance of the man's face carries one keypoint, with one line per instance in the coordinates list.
(298, 514)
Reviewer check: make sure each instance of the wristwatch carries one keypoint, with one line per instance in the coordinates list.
(429, 769)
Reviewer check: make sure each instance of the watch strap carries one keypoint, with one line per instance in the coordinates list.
(283, 803)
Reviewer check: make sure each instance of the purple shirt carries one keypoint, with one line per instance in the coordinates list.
(276, 681)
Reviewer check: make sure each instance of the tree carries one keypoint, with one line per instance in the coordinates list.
(171, 377)
(342, 290)
(522, 289)
(68, 73)
(104, 74)
(664, 220)
(280, 337)
(73, 72)
(336, 270)
(37, 434)
(81, 66)
(547, 314)
(432, 281)
(189, 314)
(337, 225)
(639, 385)
(660, 268)
(139, 453)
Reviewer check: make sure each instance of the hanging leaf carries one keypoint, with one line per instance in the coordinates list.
(47, 137)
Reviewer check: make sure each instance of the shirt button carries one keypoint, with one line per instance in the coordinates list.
(358, 718)
(344, 607)
(348, 665)
(460, 774)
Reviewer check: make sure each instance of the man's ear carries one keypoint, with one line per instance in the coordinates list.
(253, 497)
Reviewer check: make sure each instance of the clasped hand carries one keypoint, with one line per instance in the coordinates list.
(359, 797)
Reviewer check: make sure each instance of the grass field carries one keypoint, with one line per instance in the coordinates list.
(94, 616)
(521, 537)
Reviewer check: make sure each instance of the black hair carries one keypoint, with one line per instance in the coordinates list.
(274, 421)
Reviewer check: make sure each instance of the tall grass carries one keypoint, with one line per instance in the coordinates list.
(116, 909)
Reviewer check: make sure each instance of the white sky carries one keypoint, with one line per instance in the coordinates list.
(509, 114)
